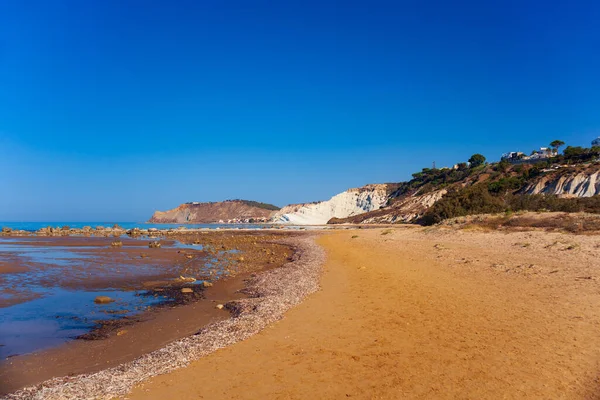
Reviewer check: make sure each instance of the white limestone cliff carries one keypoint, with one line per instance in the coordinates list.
(578, 184)
(351, 202)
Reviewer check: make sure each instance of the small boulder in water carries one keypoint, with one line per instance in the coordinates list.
(103, 300)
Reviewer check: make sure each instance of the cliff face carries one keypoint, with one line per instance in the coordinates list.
(405, 209)
(410, 205)
(569, 183)
(406, 201)
(351, 202)
(223, 211)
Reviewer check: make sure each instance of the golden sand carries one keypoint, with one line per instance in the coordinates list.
(413, 313)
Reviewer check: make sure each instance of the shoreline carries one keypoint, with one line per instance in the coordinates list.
(269, 294)
(114, 342)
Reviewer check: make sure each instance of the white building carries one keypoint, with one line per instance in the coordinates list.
(543, 152)
(512, 155)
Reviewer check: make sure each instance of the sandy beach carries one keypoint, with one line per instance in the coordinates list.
(422, 313)
(251, 200)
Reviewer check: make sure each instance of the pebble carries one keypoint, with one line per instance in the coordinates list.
(103, 300)
(186, 290)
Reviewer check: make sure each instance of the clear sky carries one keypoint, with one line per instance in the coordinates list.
(112, 109)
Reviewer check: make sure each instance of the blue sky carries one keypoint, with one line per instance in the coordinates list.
(112, 109)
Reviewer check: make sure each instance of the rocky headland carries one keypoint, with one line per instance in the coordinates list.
(228, 211)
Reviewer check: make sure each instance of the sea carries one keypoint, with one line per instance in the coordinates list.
(50, 313)
(34, 226)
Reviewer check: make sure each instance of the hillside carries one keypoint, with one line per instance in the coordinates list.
(434, 195)
(566, 183)
(223, 211)
(346, 204)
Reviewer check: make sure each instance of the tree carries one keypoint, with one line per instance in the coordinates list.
(476, 160)
(555, 144)
(572, 152)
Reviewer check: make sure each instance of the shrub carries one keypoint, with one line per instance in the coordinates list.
(479, 199)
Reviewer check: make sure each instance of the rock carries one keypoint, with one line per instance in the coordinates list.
(116, 243)
(121, 332)
(103, 300)
(186, 290)
(6, 230)
(154, 244)
(152, 229)
(187, 279)
(220, 306)
(206, 284)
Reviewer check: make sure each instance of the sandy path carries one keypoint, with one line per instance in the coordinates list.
(403, 316)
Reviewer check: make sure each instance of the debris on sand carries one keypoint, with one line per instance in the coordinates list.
(187, 279)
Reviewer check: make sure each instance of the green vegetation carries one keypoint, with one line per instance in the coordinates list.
(258, 204)
(479, 199)
(555, 144)
(433, 179)
(476, 160)
(251, 203)
(574, 155)
(479, 188)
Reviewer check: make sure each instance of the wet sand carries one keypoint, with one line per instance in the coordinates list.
(88, 263)
(422, 313)
(147, 332)
(158, 326)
